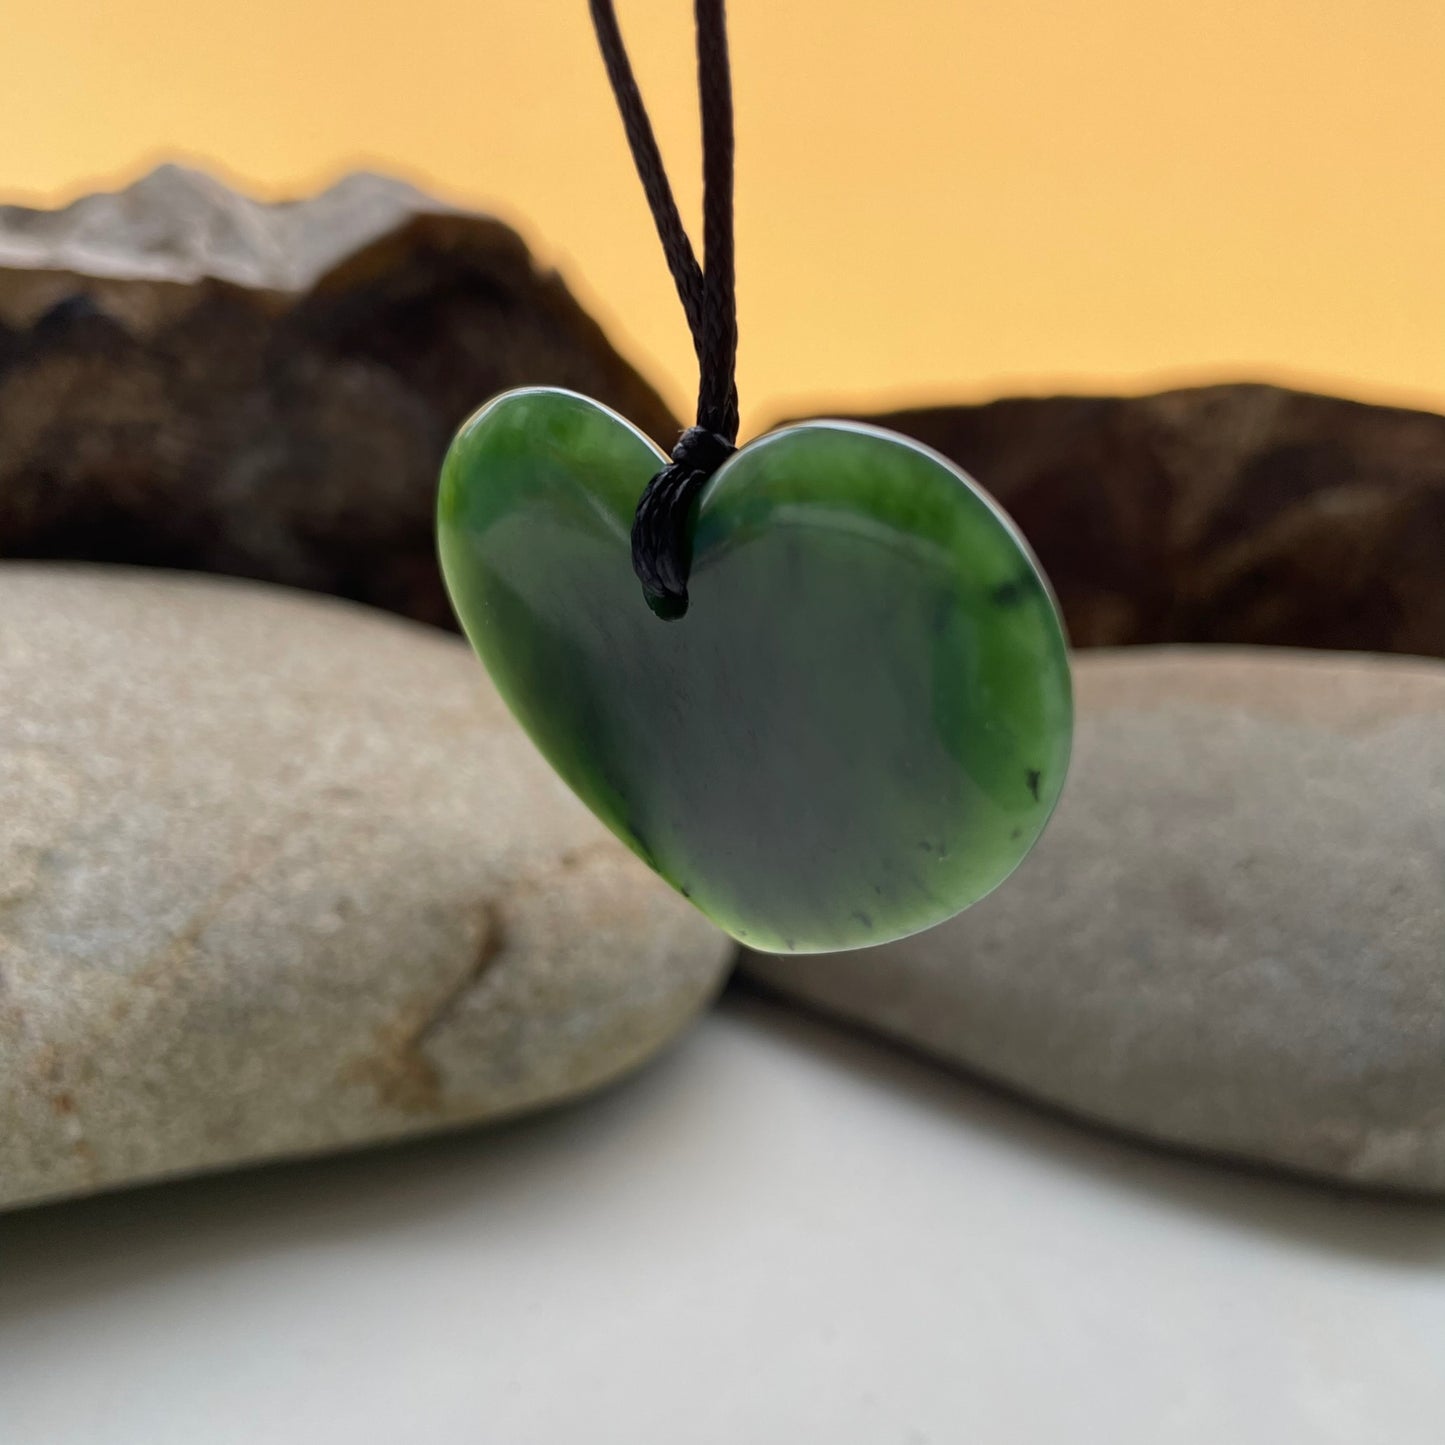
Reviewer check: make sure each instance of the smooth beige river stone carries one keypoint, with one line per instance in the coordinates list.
(1232, 935)
(280, 875)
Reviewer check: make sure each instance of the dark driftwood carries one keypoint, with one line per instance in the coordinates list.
(188, 378)
(1229, 514)
(286, 425)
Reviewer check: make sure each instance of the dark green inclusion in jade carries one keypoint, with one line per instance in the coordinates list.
(862, 722)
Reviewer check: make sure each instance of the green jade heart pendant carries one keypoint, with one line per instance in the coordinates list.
(861, 723)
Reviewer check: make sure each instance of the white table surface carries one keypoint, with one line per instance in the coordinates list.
(775, 1234)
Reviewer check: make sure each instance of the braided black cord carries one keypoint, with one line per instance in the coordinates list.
(661, 527)
(686, 273)
(717, 397)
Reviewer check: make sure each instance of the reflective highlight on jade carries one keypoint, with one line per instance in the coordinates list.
(862, 722)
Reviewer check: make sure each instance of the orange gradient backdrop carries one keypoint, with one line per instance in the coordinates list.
(936, 198)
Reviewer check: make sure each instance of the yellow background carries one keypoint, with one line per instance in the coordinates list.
(936, 198)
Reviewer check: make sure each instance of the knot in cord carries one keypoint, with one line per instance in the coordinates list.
(661, 527)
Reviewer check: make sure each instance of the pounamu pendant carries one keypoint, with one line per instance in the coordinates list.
(860, 725)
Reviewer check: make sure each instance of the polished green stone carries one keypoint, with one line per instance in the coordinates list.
(862, 722)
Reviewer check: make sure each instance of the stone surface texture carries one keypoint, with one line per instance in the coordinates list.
(1219, 514)
(189, 378)
(181, 225)
(1232, 936)
(280, 875)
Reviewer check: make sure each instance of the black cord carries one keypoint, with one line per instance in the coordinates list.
(661, 542)
(717, 398)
